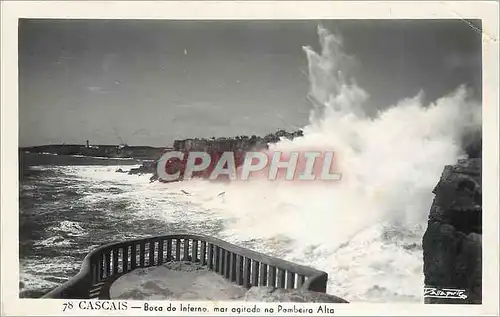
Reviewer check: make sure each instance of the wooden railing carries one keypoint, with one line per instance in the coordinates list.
(239, 265)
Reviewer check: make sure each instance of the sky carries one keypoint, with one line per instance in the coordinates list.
(148, 82)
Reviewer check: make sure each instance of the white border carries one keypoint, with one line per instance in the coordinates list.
(12, 10)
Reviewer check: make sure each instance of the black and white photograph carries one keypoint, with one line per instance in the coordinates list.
(250, 160)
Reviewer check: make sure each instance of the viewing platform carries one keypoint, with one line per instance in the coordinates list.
(190, 267)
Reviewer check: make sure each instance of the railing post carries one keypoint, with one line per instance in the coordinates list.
(246, 272)
(210, 256)
(239, 269)
(255, 273)
(300, 280)
(186, 250)
(232, 272)
(95, 271)
(142, 254)
(238, 265)
(125, 258)
(221, 255)
(227, 264)
(281, 278)
(115, 261)
(177, 249)
(216, 258)
(108, 263)
(101, 266)
(318, 283)
(290, 280)
(160, 252)
(263, 275)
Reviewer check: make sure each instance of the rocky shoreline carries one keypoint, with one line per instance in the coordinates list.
(452, 243)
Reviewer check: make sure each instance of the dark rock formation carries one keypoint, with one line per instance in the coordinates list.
(102, 151)
(244, 143)
(452, 242)
(145, 168)
(215, 147)
(272, 294)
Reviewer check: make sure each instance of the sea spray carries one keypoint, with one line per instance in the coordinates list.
(365, 231)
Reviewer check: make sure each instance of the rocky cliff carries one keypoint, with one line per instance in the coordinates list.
(452, 243)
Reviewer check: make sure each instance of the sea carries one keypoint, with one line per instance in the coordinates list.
(365, 230)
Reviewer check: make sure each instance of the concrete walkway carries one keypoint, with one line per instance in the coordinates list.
(175, 281)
